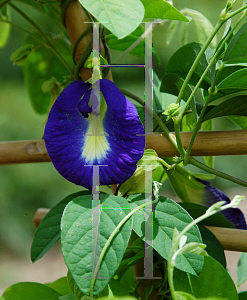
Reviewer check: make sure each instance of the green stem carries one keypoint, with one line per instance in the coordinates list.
(211, 91)
(48, 41)
(78, 41)
(196, 129)
(24, 30)
(229, 16)
(81, 61)
(212, 61)
(155, 116)
(4, 3)
(193, 67)
(172, 257)
(202, 166)
(178, 139)
(125, 219)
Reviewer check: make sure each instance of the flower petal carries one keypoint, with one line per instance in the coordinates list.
(72, 146)
(213, 195)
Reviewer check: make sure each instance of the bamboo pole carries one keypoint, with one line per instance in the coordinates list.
(230, 239)
(207, 143)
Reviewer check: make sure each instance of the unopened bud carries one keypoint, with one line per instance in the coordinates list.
(20, 55)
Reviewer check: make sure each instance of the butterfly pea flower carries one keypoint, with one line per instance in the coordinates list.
(81, 133)
(212, 195)
(190, 188)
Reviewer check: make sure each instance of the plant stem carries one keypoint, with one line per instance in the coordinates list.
(178, 139)
(211, 91)
(48, 41)
(24, 30)
(172, 257)
(4, 3)
(125, 219)
(81, 61)
(204, 167)
(193, 67)
(78, 41)
(229, 16)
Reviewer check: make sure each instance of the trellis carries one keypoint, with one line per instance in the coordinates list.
(233, 142)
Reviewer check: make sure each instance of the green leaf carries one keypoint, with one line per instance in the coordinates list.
(120, 17)
(50, 10)
(232, 107)
(4, 27)
(242, 269)
(213, 281)
(182, 60)
(68, 297)
(118, 298)
(202, 25)
(114, 43)
(41, 65)
(48, 231)
(60, 285)
(236, 51)
(117, 288)
(214, 247)
(171, 30)
(74, 287)
(240, 121)
(196, 210)
(184, 296)
(188, 122)
(242, 295)
(160, 9)
(223, 74)
(172, 83)
(208, 126)
(76, 239)
(237, 80)
(29, 291)
(167, 216)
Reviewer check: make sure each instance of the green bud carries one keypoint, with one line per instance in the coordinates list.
(175, 235)
(215, 207)
(20, 55)
(145, 167)
(229, 5)
(171, 111)
(51, 85)
(182, 241)
(195, 248)
(236, 201)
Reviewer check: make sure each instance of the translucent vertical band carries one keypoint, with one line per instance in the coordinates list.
(148, 78)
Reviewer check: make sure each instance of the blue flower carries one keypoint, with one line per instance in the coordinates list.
(81, 132)
(212, 195)
(189, 188)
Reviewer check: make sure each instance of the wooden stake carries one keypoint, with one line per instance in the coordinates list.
(207, 143)
(230, 239)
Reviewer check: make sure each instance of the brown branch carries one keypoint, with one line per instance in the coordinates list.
(209, 143)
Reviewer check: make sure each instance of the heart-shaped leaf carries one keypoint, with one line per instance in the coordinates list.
(167, 216)
(80, 252)
(120, 17)
(48, 231)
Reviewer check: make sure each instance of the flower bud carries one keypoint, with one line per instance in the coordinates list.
(20, 55)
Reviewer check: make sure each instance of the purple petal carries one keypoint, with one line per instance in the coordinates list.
(213, 195)
(73, 151)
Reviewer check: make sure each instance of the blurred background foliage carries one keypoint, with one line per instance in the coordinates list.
(26, 187)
